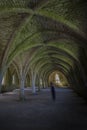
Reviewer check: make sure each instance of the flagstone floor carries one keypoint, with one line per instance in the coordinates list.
(40, 112)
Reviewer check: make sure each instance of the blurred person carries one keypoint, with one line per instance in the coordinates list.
(53, 91)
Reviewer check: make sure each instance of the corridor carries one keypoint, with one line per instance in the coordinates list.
(40, 112)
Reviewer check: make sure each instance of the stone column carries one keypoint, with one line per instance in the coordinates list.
(1, 77)
(33, 82)
(22, 82)
(44, 86)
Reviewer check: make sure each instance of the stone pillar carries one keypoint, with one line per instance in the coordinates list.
(33, 83)
(44, 86)
(39, 83)
(22, 82)
(1, 77)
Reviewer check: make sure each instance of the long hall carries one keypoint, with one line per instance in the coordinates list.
(43, 48)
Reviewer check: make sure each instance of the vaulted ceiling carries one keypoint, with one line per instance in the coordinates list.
(44, 35)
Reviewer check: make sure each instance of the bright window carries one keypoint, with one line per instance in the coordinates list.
(57, 79)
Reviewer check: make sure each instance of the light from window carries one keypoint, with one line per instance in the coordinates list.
(57, 79)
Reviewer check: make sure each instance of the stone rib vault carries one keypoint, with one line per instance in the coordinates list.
(38, 37)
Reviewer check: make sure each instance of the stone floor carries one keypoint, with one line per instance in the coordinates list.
(40, 112)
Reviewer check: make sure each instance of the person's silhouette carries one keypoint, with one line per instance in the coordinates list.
(53, 91)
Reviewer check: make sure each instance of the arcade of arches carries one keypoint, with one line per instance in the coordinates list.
(41, 40)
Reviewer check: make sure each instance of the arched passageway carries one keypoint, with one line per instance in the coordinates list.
(58, 79)
(39, 37)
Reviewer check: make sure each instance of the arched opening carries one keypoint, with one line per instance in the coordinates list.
(59, 79)
(3, 81)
